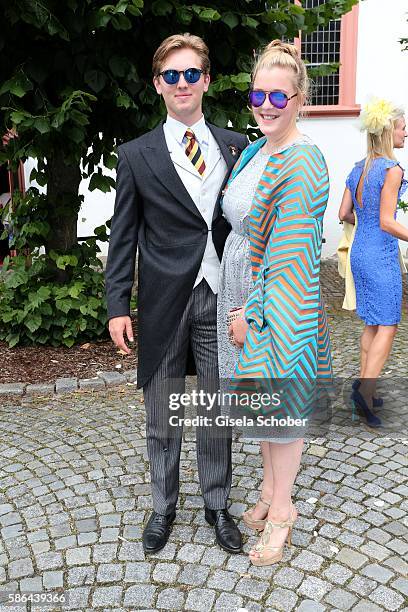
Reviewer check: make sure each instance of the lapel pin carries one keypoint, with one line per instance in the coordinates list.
(233, 150)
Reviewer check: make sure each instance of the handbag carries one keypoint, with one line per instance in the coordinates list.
(233, 315)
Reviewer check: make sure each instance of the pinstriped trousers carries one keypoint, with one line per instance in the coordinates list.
(198, 326)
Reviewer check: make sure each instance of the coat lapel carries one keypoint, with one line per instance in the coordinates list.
(214, 156)
(225, 151)
(179, 157)
(158, 159)
(230, 160)
(246, 156)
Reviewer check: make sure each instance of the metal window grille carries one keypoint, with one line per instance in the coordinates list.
(319, 48)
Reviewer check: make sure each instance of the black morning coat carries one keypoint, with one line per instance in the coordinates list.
(155, 214)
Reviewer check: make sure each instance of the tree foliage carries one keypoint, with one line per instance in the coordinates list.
(36, 310)
(75, 80)
(77, 74)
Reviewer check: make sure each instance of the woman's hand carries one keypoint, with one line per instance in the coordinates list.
(238, 330)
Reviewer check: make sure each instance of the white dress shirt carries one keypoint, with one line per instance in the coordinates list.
(174, 131)
(204, 189)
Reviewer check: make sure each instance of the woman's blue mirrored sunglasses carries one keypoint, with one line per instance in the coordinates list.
(191, 75)
(278, 99)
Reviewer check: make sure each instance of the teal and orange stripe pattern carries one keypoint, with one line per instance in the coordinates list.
(288, 334)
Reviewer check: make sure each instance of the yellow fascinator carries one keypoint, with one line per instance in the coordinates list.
(377, 115)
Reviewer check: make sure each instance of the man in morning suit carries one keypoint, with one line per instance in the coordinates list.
(167, 205)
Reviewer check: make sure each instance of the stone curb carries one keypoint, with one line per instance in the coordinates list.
(69, 385)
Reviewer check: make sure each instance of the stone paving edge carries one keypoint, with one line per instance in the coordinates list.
(104, 379)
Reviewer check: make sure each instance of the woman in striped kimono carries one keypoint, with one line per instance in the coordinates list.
(275, 202)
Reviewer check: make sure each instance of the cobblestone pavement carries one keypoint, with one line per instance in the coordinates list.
(74, 493)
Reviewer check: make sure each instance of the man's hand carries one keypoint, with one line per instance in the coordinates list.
(117, 328)
(238, 330)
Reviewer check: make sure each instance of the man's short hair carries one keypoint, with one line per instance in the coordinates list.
(181, 41)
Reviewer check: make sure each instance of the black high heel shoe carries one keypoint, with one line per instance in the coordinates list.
(378, 402)
(359, 405)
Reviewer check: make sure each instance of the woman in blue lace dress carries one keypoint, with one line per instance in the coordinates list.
(372, 191)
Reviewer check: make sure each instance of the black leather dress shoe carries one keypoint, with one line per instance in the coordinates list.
(227, 533)
(157, 531)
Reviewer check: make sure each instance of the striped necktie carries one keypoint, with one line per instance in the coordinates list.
(193, 152)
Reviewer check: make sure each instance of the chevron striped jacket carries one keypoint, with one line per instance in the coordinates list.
(288, 333)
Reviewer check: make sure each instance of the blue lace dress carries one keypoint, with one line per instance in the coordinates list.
(374, 255)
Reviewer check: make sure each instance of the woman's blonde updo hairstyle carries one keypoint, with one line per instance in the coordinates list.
(285, 55)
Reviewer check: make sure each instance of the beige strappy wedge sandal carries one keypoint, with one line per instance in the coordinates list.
(256, 524)
(268, 555)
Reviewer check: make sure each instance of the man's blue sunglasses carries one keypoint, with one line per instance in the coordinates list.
(191, 75)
